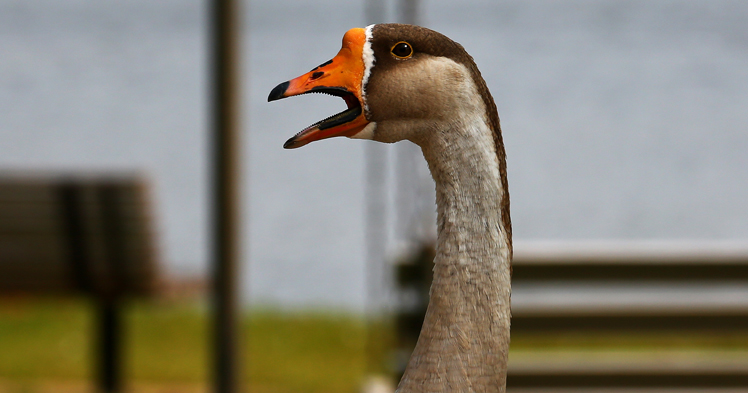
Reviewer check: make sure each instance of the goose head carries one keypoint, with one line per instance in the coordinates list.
(399, 82)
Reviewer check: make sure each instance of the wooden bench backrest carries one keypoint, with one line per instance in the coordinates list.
(76, 235)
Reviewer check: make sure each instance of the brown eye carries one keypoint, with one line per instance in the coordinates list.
(402, 50)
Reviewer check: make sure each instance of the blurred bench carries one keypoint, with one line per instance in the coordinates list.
(677, 265)
(79, 235)
(647, 289)
(608, 291)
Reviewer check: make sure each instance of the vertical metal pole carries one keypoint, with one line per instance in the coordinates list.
(376, 236)
(374, 11)
(225, 86)
(409, 12)
(410, 167)
(376, 224)
(377, 298)
(376, 196)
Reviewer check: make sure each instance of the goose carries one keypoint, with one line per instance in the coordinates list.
(404, 82)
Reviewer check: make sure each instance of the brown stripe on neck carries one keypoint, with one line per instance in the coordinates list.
(493, 121)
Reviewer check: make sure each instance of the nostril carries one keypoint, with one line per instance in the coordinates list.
(317, 74)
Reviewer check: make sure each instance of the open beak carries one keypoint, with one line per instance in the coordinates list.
(342, 76)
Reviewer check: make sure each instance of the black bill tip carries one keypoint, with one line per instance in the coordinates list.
(278, 91)
(290, 144)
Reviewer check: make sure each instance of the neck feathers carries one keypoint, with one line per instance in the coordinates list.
(492, 121)
(464, 342)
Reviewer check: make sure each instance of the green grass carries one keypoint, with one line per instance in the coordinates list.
(44, 339)
(306, 352)
(167, 343)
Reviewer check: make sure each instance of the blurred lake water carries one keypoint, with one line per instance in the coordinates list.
(622, 119)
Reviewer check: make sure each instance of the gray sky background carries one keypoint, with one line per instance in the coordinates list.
(622, 120)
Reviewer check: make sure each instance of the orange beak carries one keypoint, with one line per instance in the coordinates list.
(340, 77)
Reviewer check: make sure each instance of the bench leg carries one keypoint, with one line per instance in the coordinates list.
(109, 354)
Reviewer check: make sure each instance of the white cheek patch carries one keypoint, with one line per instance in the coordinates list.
(368, 58)
(367, 132)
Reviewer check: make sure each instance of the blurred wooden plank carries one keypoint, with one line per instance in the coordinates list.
(693, 379)
(631, 261)
(630, 272)
(38, 252)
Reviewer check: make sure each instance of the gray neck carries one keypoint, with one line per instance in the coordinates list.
(464, 341)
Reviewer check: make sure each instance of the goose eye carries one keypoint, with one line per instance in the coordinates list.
(402, 50)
